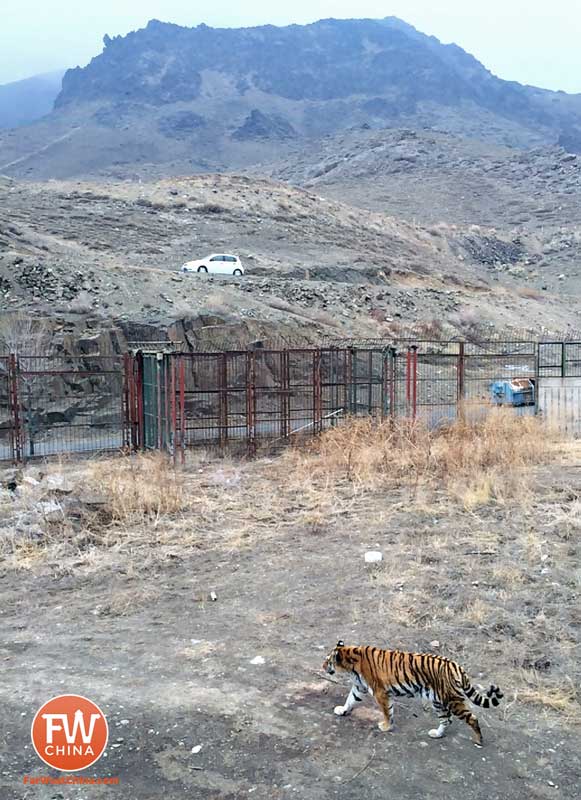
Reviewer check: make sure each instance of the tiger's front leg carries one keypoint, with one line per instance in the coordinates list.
(385, 702)
(354, 696)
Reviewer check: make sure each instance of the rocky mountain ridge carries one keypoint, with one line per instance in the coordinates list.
(205, 99)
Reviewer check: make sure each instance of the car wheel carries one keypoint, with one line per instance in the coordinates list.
(237, 272)
(202, 269)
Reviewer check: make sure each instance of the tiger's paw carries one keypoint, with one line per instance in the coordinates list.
(339, 710)
(436, 733)
(385, 726)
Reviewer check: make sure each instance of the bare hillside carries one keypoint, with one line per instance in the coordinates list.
(112, 250)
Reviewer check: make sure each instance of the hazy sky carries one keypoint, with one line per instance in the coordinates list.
(526, 40)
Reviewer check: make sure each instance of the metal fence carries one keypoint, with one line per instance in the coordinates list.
(52, 405)
(171, 400)
(276, 395)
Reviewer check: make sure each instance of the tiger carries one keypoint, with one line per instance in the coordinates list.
(386, 674)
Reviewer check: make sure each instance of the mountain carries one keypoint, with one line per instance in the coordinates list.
(24, 101)
(205, 99)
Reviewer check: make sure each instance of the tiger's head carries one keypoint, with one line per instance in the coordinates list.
(334, 661)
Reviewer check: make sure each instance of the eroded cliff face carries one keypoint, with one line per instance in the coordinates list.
(204, 99)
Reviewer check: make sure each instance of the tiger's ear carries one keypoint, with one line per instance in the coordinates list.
(340, 643)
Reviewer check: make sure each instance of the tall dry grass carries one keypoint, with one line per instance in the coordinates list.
(146, 487)
(474, 460)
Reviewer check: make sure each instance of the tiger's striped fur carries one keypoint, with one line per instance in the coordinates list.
(386, 674)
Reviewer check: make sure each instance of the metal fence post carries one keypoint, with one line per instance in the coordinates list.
(393, 383)
(285, 395)
(414, 381)
(408, 381)
(223, 399)
(17, 433)
(127, 401)
(349, 381)
(317, 400)
(251, 401)
(140, 426)
(182, 379)
(384, 385)
(174, 438)
(461, 388)
(370, 382)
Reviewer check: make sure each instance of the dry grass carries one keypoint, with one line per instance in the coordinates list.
(24, 335)
(561, 697)
(126, 602)
(475, 461)
(146, 487)
(494, 582)
(143, 504)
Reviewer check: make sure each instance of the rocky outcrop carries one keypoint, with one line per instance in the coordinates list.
(337, 72)
(262, 126)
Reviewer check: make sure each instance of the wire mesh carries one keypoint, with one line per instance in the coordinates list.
(6, 412)
(54, 404)
(70, 405)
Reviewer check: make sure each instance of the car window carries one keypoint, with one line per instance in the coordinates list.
(216, 258)
(231, 259)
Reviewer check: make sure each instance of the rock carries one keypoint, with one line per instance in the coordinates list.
(196, 749)
(58, 484)
(50, 510)
(373, 557)
(11, 478)
(258, 660)
(264, 126)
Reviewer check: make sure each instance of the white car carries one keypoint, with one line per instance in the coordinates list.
(217, 263)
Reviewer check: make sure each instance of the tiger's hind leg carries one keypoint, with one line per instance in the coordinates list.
(444, 718)
(385, 702)
(461, 710)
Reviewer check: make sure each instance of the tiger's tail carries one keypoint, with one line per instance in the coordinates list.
(492, 697)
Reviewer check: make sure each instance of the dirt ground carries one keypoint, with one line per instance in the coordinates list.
(124, 616)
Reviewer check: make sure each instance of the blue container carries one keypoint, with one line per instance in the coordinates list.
(515, 392)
